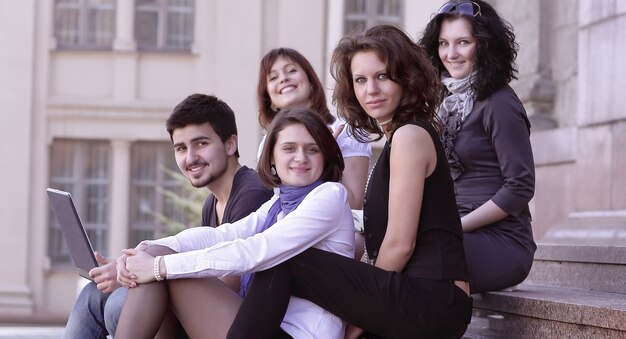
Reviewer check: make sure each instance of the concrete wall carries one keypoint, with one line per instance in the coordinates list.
(16, 118)
(577, 140)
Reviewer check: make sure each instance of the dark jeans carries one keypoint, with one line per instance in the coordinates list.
(386, 304)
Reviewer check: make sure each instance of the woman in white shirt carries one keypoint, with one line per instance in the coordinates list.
(310, 209)
(287, 79)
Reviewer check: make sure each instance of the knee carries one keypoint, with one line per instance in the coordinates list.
(113, 309)
(91, 297)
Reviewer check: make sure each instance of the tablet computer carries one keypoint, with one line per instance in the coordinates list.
(73, 231)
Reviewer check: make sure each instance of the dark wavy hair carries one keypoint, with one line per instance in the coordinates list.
(406, 64)
(496, 48)
(317, 102)
(333, 159)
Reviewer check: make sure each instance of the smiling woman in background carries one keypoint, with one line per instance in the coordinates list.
(487, 140)
(287, 79)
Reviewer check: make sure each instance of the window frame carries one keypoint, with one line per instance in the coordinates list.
(371, 15)
(86, 37)
(75, 178)
(163, 9)
(161, 157)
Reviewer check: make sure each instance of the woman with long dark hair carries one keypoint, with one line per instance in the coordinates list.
(486, 138)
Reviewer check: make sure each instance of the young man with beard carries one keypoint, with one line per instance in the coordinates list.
(204, 133)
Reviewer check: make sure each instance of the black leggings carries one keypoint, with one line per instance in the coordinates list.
(383, 303)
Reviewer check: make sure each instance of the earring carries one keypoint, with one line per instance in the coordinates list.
(273, 170)
(274, 108)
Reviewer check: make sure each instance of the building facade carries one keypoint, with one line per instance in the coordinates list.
(88, 84)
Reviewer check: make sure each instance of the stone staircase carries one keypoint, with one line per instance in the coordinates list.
(576, 288)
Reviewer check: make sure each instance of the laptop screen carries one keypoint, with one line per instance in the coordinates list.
(73, 231)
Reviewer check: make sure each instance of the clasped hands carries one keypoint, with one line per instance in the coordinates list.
(135, 266)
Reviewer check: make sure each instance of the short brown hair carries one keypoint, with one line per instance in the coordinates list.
(333, 159)
(317, 102)
(199, 109)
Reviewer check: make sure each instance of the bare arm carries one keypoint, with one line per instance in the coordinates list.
(413, 158)
(354, 178)
(486, 214)
(354, 175)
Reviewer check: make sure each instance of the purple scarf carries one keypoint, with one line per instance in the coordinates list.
(289, 197)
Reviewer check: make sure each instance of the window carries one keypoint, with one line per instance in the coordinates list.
(164, 25)
(368, 13)
(150, 164)
(84, 24)
(83, 169)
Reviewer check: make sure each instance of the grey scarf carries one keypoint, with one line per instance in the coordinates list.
(453, 111)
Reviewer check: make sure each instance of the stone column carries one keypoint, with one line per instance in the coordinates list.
(124, 26)
(17, 170)
(531, 23)
(124, 46)
(120, 184)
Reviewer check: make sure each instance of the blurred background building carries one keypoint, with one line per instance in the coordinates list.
(86, 87)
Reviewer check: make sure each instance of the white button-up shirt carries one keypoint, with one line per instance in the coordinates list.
(322, 220)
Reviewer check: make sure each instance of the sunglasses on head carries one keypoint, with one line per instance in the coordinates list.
(469, 8)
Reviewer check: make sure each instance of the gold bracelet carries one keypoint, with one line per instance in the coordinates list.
(157, 271)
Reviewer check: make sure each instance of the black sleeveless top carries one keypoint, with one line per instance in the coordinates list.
(438, 250)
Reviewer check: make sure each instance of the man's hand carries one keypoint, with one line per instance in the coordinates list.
(105, 275)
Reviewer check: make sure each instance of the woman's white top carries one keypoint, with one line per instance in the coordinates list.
(322, 220)
(350, 147)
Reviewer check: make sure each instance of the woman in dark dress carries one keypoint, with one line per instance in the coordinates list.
(486, 138)
(416, 282)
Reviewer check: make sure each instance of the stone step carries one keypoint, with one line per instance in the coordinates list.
(540, 311)
(599, 268)
(598, 228)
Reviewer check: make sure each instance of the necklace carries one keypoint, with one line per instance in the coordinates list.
(386, 122)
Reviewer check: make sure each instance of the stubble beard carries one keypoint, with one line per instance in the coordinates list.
(211, 177)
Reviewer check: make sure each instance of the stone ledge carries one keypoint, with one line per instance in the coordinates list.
(589, 228)
(581, 253)
(38, 319)
(553, 311)
(579, 266)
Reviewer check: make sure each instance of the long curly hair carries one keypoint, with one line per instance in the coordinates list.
(496, 48)
(406, 64)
